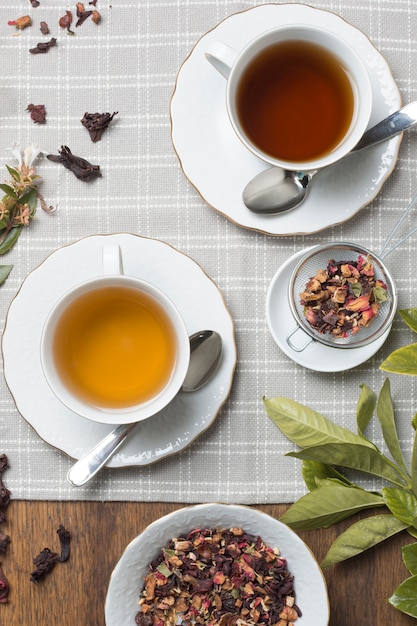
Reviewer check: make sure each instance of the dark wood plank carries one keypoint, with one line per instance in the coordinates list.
(74, 593)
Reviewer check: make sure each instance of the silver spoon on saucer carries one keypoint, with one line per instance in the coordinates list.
(205, 354)
(276, 190)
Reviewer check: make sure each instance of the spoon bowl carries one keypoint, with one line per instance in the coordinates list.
(205, 356)
(276, 190)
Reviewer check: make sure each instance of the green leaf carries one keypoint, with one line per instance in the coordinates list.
(361, 536)
(365, 409)
(409, 553)
(402, 361)
(9, 191)
(10, 239)
(4, 272)
(313, 471)
(13, 173)
(401, 503)
(410, 318)
(414, 464)
(331, 502)
(30, 198)
(385, 413)
(358, 457)
(404, 597)
(306, 427)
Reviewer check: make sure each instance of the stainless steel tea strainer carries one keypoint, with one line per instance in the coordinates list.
(318, 258)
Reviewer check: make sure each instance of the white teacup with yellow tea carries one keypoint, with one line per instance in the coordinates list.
(298, 96)
(115, 348)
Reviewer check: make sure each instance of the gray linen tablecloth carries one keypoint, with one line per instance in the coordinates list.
(129, 63)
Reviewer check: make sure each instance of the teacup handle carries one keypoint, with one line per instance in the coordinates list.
(112, 260)
(221, 56)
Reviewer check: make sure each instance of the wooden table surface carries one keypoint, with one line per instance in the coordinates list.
(73, 594)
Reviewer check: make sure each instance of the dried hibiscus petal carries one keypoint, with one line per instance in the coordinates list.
(4, 542)
(37, 113)
(45, 560)
(4, 492)
(4, 587)
(96, 123)
(43, 46)
(81, 168)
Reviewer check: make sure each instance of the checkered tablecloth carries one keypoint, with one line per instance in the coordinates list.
(129, 63)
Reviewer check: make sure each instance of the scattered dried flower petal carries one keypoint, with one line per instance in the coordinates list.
(21, 22)
(66, 20)
(46, 560)
(4, 587)
(96, 16)
(64, 540)
(4, 542)
(81, 168)
(37, 113)
(96, 123)
(43, 46)
(82, 17)
(44, 28)
(34, 3)
(4, 492)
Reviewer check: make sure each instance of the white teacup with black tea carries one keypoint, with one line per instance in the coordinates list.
(115, 349)
(298, 96)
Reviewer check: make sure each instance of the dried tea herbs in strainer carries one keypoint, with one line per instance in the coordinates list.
(344, 297)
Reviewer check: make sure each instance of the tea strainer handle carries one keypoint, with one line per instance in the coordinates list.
(293, 346)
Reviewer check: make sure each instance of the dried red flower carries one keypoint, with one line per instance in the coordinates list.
(4, 587)
(96, 123)
(46, 560)
(37, 113)
(81, 168)
(43, 46)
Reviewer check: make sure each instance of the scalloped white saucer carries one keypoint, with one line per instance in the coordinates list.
(218, 165)
(316, 356)
(202, 307)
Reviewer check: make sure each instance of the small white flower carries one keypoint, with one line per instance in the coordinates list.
(28, 156)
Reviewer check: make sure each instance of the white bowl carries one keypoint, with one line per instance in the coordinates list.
(127, 579)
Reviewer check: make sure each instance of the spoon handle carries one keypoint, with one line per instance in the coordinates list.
(93, 461)
(389, 127)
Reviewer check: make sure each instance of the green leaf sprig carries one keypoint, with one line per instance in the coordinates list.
(404, 360)
(325, 449)
(19, 202)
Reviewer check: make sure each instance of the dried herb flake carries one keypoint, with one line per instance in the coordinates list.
(81, 168)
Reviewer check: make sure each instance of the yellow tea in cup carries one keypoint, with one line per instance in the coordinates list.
(114, 347)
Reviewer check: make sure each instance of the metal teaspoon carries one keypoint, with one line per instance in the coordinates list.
(276, 190)
(205, 354)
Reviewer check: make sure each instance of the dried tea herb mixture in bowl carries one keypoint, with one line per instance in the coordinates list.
(218, 576)
(220, 565)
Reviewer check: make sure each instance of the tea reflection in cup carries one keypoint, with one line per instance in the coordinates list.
(115, 349)
(298, 96)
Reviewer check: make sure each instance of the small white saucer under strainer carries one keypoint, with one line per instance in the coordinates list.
(317, 258)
